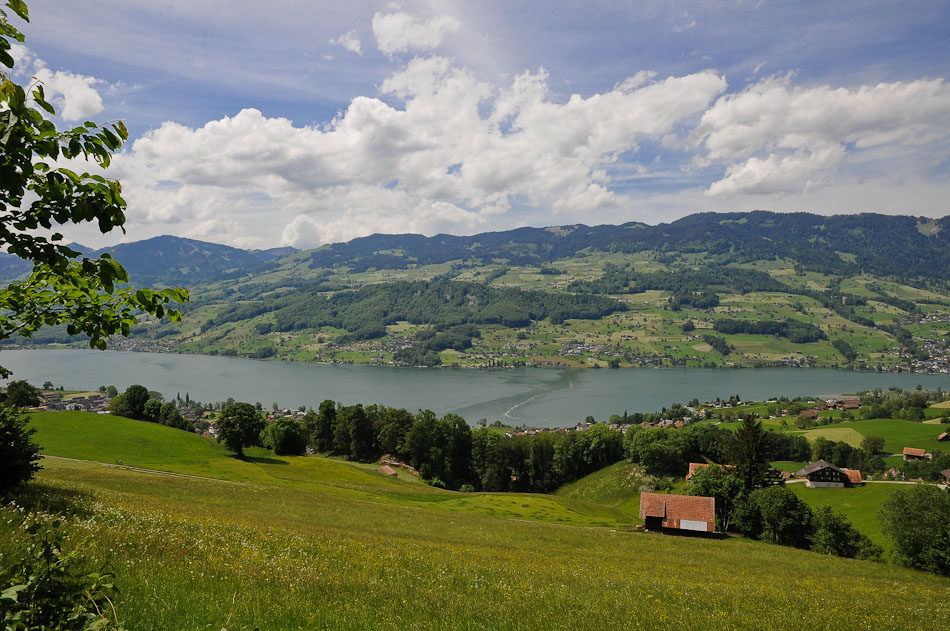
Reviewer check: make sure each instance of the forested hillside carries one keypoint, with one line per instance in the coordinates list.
(738, 289)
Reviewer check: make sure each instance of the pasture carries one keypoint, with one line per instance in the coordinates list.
(308, 542)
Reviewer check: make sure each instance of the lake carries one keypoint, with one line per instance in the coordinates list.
(534, 396)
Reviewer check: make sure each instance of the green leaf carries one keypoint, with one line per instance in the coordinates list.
(11, 592)
(19, 7)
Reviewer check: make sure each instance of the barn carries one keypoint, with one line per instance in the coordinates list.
(678, 512)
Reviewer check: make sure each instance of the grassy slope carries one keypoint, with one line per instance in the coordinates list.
(131, 443)
(617, 486)
(281, 552)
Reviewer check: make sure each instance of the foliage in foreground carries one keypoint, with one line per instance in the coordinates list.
(64, 288)
(43, 586)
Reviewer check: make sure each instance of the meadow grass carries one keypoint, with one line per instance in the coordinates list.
(190, 553)
(617, 486)
(129, 443)
(308, 543)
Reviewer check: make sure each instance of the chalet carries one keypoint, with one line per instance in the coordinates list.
(696, 466)
(915, 454)
(893, 474)
(822, 474)
(944, 437)
(678, 512)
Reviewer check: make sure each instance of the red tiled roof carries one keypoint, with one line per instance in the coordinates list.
(944, 436)
(854, 475)
(673, 508)
(913, 451)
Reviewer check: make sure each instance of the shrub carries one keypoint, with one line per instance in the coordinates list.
(19, 455)
(42, 586)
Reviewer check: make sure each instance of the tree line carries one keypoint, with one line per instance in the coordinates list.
(369, 309)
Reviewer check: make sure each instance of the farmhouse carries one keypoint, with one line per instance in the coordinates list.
(915, 454)
(821, 474)
(944, 437)
(678, 512)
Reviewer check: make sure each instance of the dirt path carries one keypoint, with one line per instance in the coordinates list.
(151, 471)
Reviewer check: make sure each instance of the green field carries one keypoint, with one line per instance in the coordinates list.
(897, 434)
(288, 543)
(860, 505)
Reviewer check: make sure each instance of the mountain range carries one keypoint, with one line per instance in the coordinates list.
(882, 245)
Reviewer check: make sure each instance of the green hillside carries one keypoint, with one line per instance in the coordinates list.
(734, 289)
(280, 543)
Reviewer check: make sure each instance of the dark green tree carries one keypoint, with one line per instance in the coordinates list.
(723, 485)
(240, 426)
(835, 535)
(323, 433)
(917, 520)
(19, 455)
(873, 444)
(286, 437)
(458, 455)
(170, 416)
(135, 398)
(21, 394)
(152, 410)
(786, 520)
(749, 453)
(362, 434)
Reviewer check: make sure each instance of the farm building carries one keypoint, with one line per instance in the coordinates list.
(694, 467)
(944, 437)
(821, 474)
(678, 512)
(946, 475)
(913, 453)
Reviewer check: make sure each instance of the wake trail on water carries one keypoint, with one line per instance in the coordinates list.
(508, 412)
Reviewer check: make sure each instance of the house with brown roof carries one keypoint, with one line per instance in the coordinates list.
(913, 453)
(694, 467)
(944, 437)
(946, 475)
(821, 474)
(678, 512)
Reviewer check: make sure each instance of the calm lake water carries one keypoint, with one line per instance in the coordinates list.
(533, 396)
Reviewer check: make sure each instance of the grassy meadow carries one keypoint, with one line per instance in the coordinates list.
(313, 543)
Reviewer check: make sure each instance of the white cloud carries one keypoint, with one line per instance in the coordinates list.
(399, 32)
(73, 95)
(457, 154)
(774, 137)
(350, 41)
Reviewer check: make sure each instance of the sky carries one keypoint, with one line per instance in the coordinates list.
(288, 122)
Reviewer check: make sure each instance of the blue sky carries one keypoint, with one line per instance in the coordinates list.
(262, 124)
